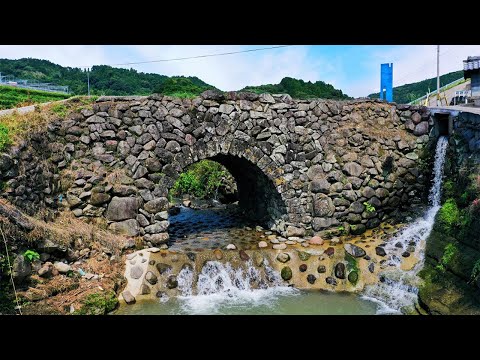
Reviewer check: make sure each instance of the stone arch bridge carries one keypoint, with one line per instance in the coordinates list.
(301, 166)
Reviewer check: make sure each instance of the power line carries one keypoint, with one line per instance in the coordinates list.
(421, 67)
(198, 56)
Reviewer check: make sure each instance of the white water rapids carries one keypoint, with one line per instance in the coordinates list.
(397, 288)
(220, 284)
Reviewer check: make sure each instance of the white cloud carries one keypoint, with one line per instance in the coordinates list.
(231, 72)
(65, 55)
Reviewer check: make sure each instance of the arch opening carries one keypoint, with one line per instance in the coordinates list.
(256, 202)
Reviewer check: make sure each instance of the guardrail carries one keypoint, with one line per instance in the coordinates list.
(9, 80)
(443, 88)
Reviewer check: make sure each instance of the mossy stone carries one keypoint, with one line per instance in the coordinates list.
(286, 273)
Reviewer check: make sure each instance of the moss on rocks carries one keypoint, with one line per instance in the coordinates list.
(98, 304)
(442, 293)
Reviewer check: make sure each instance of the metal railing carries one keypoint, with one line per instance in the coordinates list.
(9, 80)
(443, 88)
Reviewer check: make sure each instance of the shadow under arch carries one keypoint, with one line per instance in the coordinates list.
(258, 198)
(257, 195)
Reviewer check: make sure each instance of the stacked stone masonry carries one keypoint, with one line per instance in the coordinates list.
(301, 166)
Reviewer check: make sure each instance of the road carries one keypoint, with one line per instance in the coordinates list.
(22, 110)
(29, 108)
(469, 109)
(432, 101)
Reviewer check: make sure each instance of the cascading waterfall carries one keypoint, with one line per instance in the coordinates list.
(219, 284)
(397, 288)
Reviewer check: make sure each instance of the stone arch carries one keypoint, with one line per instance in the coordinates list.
(260, 185)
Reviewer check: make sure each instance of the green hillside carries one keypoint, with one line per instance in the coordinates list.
(11, 97)
(409, 92)
(104, 80)
(300, 89)
(107, 80)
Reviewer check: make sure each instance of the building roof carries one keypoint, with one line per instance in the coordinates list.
(471, 64)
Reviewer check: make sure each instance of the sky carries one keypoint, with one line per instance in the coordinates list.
(355, 69)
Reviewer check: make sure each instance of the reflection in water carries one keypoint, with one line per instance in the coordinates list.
(212, 228)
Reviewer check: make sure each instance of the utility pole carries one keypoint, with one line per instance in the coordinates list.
(88, 80)
(438, 75)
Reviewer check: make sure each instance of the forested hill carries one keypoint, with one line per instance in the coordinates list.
(409, 92)
(104, 80)
(300, 89)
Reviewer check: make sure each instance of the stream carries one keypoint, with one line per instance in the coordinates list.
(220, 288)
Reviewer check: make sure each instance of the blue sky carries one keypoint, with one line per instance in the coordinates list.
(355, 69)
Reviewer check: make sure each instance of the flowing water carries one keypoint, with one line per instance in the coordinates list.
(212, 228)
(398, 288)
(221, 289)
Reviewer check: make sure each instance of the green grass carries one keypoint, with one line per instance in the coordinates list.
(60, 109)
(16, 126)
(12, 97)
(4, 137)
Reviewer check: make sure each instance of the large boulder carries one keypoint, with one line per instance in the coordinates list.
(295, 231)
(99, 198)
(323, 206)
(122, 208)
(421, 129)
(319, 184)
(157, 228)
(156, 205)
(6, 163)
(212, 95)
(61, 267)
(353, 169)
(127, 227)
(354, 250)
(21, 269)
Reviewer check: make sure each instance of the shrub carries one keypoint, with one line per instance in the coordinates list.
(201, 179)
(449, 188)
(449, 214)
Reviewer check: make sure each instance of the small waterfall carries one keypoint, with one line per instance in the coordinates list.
(219, 284)
(397, 287)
